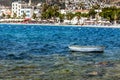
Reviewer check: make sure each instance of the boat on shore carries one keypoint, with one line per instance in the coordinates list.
(77, 48)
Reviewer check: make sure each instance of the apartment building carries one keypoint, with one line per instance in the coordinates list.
(20, 7)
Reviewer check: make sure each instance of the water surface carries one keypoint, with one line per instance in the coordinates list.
(47, 48)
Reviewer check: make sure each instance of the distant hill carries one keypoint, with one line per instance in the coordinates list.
(5, 2)
(8, 2)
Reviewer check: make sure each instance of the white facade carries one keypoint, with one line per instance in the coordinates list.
(16, 6)
(20, 7)
(28, 11)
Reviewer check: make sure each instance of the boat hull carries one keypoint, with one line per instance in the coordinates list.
(86, 48)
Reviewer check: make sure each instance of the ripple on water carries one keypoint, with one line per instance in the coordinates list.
(43, 51)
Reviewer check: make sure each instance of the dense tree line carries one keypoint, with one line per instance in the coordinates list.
(111, 13)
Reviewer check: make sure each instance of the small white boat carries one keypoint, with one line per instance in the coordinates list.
(86, 48)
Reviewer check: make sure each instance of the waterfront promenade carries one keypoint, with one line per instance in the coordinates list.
(65, 25)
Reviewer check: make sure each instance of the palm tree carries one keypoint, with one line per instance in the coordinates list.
(44, 7)
(115, 15)
(24, 15)
(85, 15)
(78, 15)
(3, 15)
(55, 12)
(92, 13)
(14, 15)
(34, 16)
(8, 16)
(61, 17)
(111, 13)
(70, 16)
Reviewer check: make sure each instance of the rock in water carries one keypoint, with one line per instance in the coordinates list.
(93, 73)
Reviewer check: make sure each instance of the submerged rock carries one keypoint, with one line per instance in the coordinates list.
(105, 64)
(93, 73)
(10, 56)
(18, 56)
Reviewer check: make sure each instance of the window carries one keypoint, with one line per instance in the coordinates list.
(22, 11)
(28, 15)
(27, 11)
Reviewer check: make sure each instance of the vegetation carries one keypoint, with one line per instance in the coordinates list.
(52, 12)
(49, 12)
(8, 16)
(70, 16)
(61, 17)
(78, 15)
(111, 14)
(34, 16)
(24, 15)
(14, 15)
(3, 15)
(92, 13)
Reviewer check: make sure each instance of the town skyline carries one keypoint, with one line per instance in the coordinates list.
(3, 2)
(75, 12)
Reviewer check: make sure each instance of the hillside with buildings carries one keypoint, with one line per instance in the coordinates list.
(88, 2)
(61, 10)
(9, 2)
(5, 2)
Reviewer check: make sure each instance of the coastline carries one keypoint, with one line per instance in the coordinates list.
(65, 25)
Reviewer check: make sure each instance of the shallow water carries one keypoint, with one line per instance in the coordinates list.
(43, 52)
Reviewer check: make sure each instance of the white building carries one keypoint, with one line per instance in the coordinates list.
(19, 8)
(27, 10)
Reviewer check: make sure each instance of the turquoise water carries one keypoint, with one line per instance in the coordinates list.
(45, 48)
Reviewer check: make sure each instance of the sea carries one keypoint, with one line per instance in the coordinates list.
(40, 52)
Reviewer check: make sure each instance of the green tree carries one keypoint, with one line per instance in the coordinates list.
(44, 7)
(78, 15)
(61, 17)
(111, 13)
(115, 15)
(14, 15)
(8, 16)
(84, 15)
(92, 13)
(34, 16)
(3, 15)
(49, 12)
(55, 12)
(24, 15)
(70, 16)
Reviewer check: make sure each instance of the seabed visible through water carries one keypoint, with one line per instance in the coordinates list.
(34, 52)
